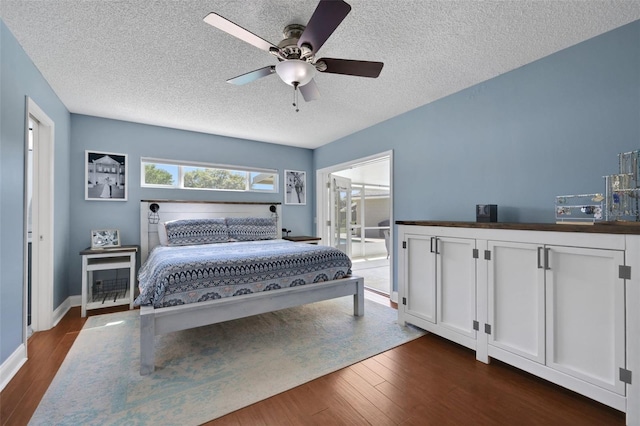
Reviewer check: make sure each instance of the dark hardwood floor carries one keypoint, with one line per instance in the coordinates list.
(428, 381)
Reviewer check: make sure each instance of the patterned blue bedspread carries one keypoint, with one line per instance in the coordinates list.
(179, 275)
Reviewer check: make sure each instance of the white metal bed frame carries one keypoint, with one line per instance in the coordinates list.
(157, 321)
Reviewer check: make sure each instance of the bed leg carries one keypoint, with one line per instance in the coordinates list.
(147, 345)
(358, 299)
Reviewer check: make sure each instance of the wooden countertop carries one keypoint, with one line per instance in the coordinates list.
(597, 228)
(118, 249)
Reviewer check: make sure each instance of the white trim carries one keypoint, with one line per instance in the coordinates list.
(43, 229)
(231, 168)
(64, 307)
(12, 365)
(322, 200)
(16, 360)
(633, 329)
(206, 165)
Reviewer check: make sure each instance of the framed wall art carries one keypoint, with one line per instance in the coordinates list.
(105, 176)
(295, 187)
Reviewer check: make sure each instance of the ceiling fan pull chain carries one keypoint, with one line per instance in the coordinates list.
(295, 96)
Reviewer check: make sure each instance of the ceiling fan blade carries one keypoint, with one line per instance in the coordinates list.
(351, 67)
(324, 21)
(237, 31)
(310, 91)
(252, 76)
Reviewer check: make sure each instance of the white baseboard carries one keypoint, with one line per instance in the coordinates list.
(75, 300)
(394, 296)
(10, 367)
(64, 307)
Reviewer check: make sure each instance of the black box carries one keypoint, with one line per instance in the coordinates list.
(486, 213)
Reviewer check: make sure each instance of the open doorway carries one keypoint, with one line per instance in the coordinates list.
(355, 215)
(38, 220)
(29, 202)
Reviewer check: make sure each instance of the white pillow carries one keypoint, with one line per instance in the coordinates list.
(162, 234)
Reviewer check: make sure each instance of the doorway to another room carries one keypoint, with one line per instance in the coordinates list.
(355, 215)
(38, 221)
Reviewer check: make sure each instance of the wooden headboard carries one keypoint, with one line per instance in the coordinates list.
(173, 210)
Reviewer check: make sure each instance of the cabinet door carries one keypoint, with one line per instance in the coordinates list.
(456, 284)
(420, 274)
(586, 315)
(516, 302)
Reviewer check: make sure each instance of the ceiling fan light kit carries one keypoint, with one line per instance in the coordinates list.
(297, 64)
(295, 71)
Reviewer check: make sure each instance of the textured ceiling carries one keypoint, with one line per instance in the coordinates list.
(157, 62)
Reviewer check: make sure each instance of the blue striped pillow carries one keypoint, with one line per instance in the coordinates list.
(196, 231)
(252, 228)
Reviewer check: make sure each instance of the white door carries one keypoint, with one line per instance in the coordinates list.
(586, 314)
(419, 276)
(41, 176)
(456, 284)
(340, 211)
(516, 299)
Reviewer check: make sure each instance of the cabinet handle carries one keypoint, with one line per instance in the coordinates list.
(436, 239)
(539, 258)
(546, 258)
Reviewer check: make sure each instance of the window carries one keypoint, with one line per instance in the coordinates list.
(158, 173)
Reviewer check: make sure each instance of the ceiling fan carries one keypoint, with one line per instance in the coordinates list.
(297, 63)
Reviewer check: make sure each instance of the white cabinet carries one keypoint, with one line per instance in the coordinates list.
(438, 284)
(419, 295)
(456, 285)
(516, 300)
(560, 305)
(585, 314)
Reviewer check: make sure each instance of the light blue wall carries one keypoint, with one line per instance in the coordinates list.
(139, 140)
(550, 128)
(20, 78)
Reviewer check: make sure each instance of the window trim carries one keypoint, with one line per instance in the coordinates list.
(181, 164)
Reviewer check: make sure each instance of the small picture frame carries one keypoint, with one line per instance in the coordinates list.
(104, 238)
(105, 177)
(295, 187)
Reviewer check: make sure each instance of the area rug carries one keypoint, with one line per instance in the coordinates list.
(207, 372)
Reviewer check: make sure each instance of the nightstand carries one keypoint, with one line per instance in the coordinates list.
(303, 239)
(108, 292)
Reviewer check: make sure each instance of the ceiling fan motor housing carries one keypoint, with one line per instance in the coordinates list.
(289, 45)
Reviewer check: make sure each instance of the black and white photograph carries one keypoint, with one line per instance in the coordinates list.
(105, 176)
(105, 238)
(295, 187)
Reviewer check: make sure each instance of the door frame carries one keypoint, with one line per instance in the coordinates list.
(333, 219)
(42, 246)
(322, 200)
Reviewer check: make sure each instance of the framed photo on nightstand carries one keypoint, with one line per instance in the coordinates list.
(104, 238)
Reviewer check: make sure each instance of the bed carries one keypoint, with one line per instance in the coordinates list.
(205, 263)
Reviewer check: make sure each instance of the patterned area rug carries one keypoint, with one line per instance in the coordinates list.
(207, 372)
